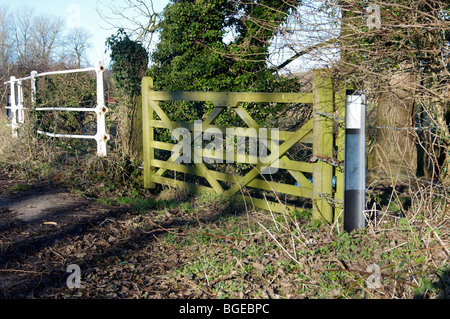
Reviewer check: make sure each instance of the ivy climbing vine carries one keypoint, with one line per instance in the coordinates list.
(129, 63)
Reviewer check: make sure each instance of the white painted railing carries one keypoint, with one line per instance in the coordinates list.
(17, 109)
(15, 100)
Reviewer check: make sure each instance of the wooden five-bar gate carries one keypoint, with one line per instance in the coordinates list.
(325, 164)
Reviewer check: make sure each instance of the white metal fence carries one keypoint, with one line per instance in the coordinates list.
(16, 107)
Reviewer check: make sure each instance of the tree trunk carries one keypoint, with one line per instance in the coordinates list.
(442, 112)
(129, 126)
(395, 150)
(137, 145)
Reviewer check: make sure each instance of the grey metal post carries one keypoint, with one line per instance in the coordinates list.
(355, 161)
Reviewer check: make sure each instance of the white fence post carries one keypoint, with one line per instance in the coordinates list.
(33, 87)
(20, 109)
(13, 107)
(102, 136)
(17, 109)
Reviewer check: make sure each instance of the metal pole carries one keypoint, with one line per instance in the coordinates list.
(102, 136)
(65, 72)
(14, 124)
(20, 109)
(33, 87)
(355, 161)
(68, 109)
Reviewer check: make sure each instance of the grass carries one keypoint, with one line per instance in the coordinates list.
(251, 254)
(20, 187)
(234, 252)
(333, 265)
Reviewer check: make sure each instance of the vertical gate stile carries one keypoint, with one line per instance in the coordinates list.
(147, 133)
(102, 136)
(20, 109)
(322, 145)
(33, 88)
(14, 122)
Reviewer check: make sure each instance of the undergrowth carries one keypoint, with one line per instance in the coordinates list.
(235, 251)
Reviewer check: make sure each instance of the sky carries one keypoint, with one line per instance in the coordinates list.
(78, 13)
(84, 13)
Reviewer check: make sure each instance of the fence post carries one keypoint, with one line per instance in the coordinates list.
(14, 122)
(147, 132)
(355, 161)
(33, 87)
(102, 136)
(20, 110)
(137, 129)
(340, 149)
(322, 144)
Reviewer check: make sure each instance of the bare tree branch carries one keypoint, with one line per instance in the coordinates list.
(137, 17)
(303, 52)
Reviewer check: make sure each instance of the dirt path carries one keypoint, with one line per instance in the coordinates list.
(44, 228)
(124, 253)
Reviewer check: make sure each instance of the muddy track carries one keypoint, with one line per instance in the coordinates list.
(44, 228)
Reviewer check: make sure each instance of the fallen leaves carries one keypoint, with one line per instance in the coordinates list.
(174, 253)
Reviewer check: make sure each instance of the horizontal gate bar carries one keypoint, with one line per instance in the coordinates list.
(259, 203)
(70, 109)
(11, 108)
(66, 71)
(282, 135)
(56, 72)
(182, 185)
(231, 178)
(67, 135)
(217, 155)
(282, 163)
(231, 98)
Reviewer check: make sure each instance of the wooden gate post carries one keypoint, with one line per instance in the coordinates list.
(340, 149)
(322, 145)
(147, 132)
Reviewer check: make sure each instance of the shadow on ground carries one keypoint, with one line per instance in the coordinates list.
(44, 229)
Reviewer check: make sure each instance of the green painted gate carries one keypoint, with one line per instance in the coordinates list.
(328, 107)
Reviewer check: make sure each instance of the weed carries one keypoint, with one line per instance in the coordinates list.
(186, 206)
(233, 254)
(20, 187)
(268, 270)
